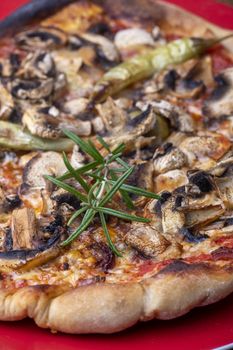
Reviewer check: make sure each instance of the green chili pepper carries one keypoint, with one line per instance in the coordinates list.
(143, 66)
(13, 136)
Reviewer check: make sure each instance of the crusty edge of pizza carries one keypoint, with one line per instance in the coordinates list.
(109, 308)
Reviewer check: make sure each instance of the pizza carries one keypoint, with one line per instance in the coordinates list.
(142, 91)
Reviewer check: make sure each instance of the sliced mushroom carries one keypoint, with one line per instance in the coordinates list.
(41, 38)
(183, 88)
(114, 117)
(8, 202)
(122, 128)
(204, 149)
(105, 46)
(77, 158)
(142, 177)
(170, 180)
(23, 228)
(200, 217)
(37, 65)
(172, 219)
(75, 106)
(78, 127)
(35, 190)
(6, 103)
(42, 121)
(9, 66)
(146, 239)
(47, 163)
(168, 157)
(31, 89)
(68, 62)
(221, 100)
(178, 118)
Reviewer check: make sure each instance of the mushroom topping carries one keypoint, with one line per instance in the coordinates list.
(23, 228)
(77, 158)
(47, 163)
(8, 202)
(168, 157)
(75, 106)
(42, 121)
(37, 65)
(68, 62)
(122, 128)
(105, 48)
(170, 180)
(35, 189)
(221, 99)
(78, 127)
(172, 219)
(142, 177)
(178, 118)
(146, 239)
(6, 103)
(41, 38)
(9, 66)
(126, 38)
(31, 89)
(204, 149)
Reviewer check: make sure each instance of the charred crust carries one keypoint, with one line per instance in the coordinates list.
(179, 267)
(191, 237)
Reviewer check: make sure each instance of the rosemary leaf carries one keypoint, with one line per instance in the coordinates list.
(82, 170)
(85, 146)
(76, 214)
(116, 187)
(87, 219)
(123, 193)
(103, 143)
(121, 214)
(72, 171)
(67, 188)
(104, 225)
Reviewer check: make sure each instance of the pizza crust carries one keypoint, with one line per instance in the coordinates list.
(109, 308)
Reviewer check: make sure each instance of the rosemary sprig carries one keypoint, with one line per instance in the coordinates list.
(100, 181)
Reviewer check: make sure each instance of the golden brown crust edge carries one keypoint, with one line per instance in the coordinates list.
(188, 23)
(108, 308)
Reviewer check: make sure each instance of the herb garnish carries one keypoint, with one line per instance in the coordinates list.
(100, 181)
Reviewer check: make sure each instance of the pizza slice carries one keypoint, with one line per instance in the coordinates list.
(115, 166)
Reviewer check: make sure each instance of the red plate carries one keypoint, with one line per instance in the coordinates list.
(203, 328)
